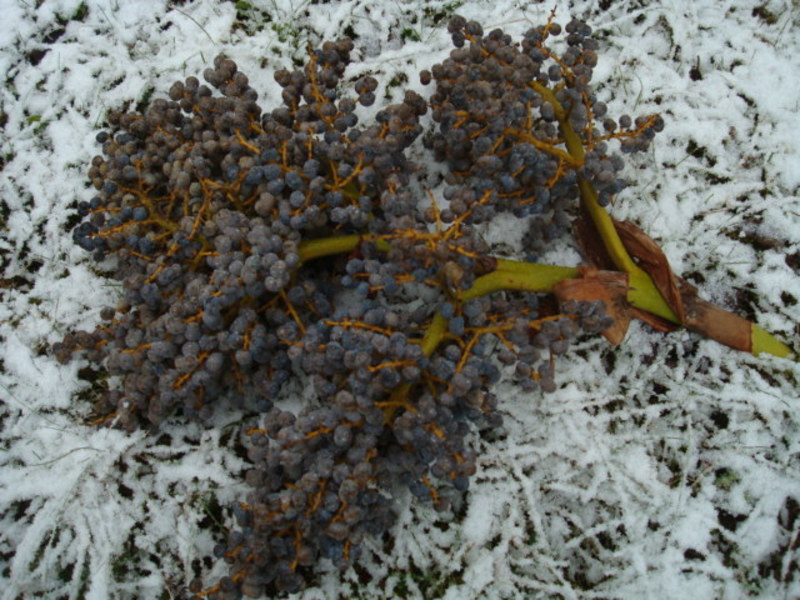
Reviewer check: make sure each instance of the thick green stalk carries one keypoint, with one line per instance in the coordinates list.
(434, 334)
(764, 342)
(512, 275)
(519, 276)
(643, 290)
(643, 293)
(327, 246)
(340, 244)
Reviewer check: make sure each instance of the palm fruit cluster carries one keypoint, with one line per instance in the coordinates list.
(257, 248)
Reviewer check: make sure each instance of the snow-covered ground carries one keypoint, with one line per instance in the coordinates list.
(667, 468)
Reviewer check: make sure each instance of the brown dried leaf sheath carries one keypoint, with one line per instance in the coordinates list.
(649, 256)
(694, 313)
(609, 286)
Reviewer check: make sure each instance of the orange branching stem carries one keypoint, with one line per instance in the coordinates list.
(352, 324)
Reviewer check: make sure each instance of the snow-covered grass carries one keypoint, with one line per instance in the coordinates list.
(667, 468)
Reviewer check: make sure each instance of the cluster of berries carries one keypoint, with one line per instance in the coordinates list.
(258, 248)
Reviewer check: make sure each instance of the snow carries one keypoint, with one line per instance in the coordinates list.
(666, 468)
